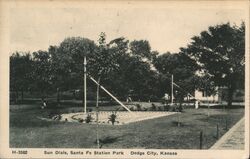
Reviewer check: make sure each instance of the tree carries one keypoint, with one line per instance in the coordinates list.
(72, 51)
(42, 74)
(20, 72)
(119, 46)
(102, 63)
(67, 62)
(134, 75)
(58, 76)
(116, 80)
(104, 60)
(183, 69)
(205, 83)
(220, 51)
(142, 50)
(138, 73)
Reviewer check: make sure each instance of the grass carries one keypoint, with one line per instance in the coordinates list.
(26, 130)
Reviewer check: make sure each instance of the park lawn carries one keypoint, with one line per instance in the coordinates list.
(27, 130)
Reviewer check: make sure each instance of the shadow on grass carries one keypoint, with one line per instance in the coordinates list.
(30, 119)
(199, 114)
(217, 117)
(179, 124)
(108, 140)
(30, 123)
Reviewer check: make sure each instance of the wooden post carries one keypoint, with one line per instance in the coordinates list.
(179, 124)
(208, 107)
(201, 139)
(226, 124)
(217, 131)
(172, 89)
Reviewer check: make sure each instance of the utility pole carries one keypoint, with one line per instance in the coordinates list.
(85, 85)
(172, 89)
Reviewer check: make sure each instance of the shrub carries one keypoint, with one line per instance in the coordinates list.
(113, 118)
(89, 110)
(53, 113)
(180, 108)
(88, 118)
(175, 108)
(132, 108)
(80, 120)
(153, 107)
(160, 109)
(166, 107)
(138, 107)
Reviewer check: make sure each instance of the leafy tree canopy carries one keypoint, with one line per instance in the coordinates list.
(220, 51)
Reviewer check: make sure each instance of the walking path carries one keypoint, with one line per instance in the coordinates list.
(233, 139)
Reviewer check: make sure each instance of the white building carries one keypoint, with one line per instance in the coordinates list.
(204, 97)
(219, 96)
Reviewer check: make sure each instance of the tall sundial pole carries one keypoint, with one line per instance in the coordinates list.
(85, 84)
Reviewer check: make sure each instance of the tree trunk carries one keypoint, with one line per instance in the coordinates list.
(97, 113)
(16, 98)
(42, 96)
(230, 95)
(74, 96)
(180, 103)
(22, 95)
(58, 97)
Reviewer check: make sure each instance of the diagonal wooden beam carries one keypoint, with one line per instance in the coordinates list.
(111, 95)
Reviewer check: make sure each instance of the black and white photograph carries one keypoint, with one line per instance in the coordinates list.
(134, 79)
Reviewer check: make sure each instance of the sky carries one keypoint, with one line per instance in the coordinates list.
(166, 29)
